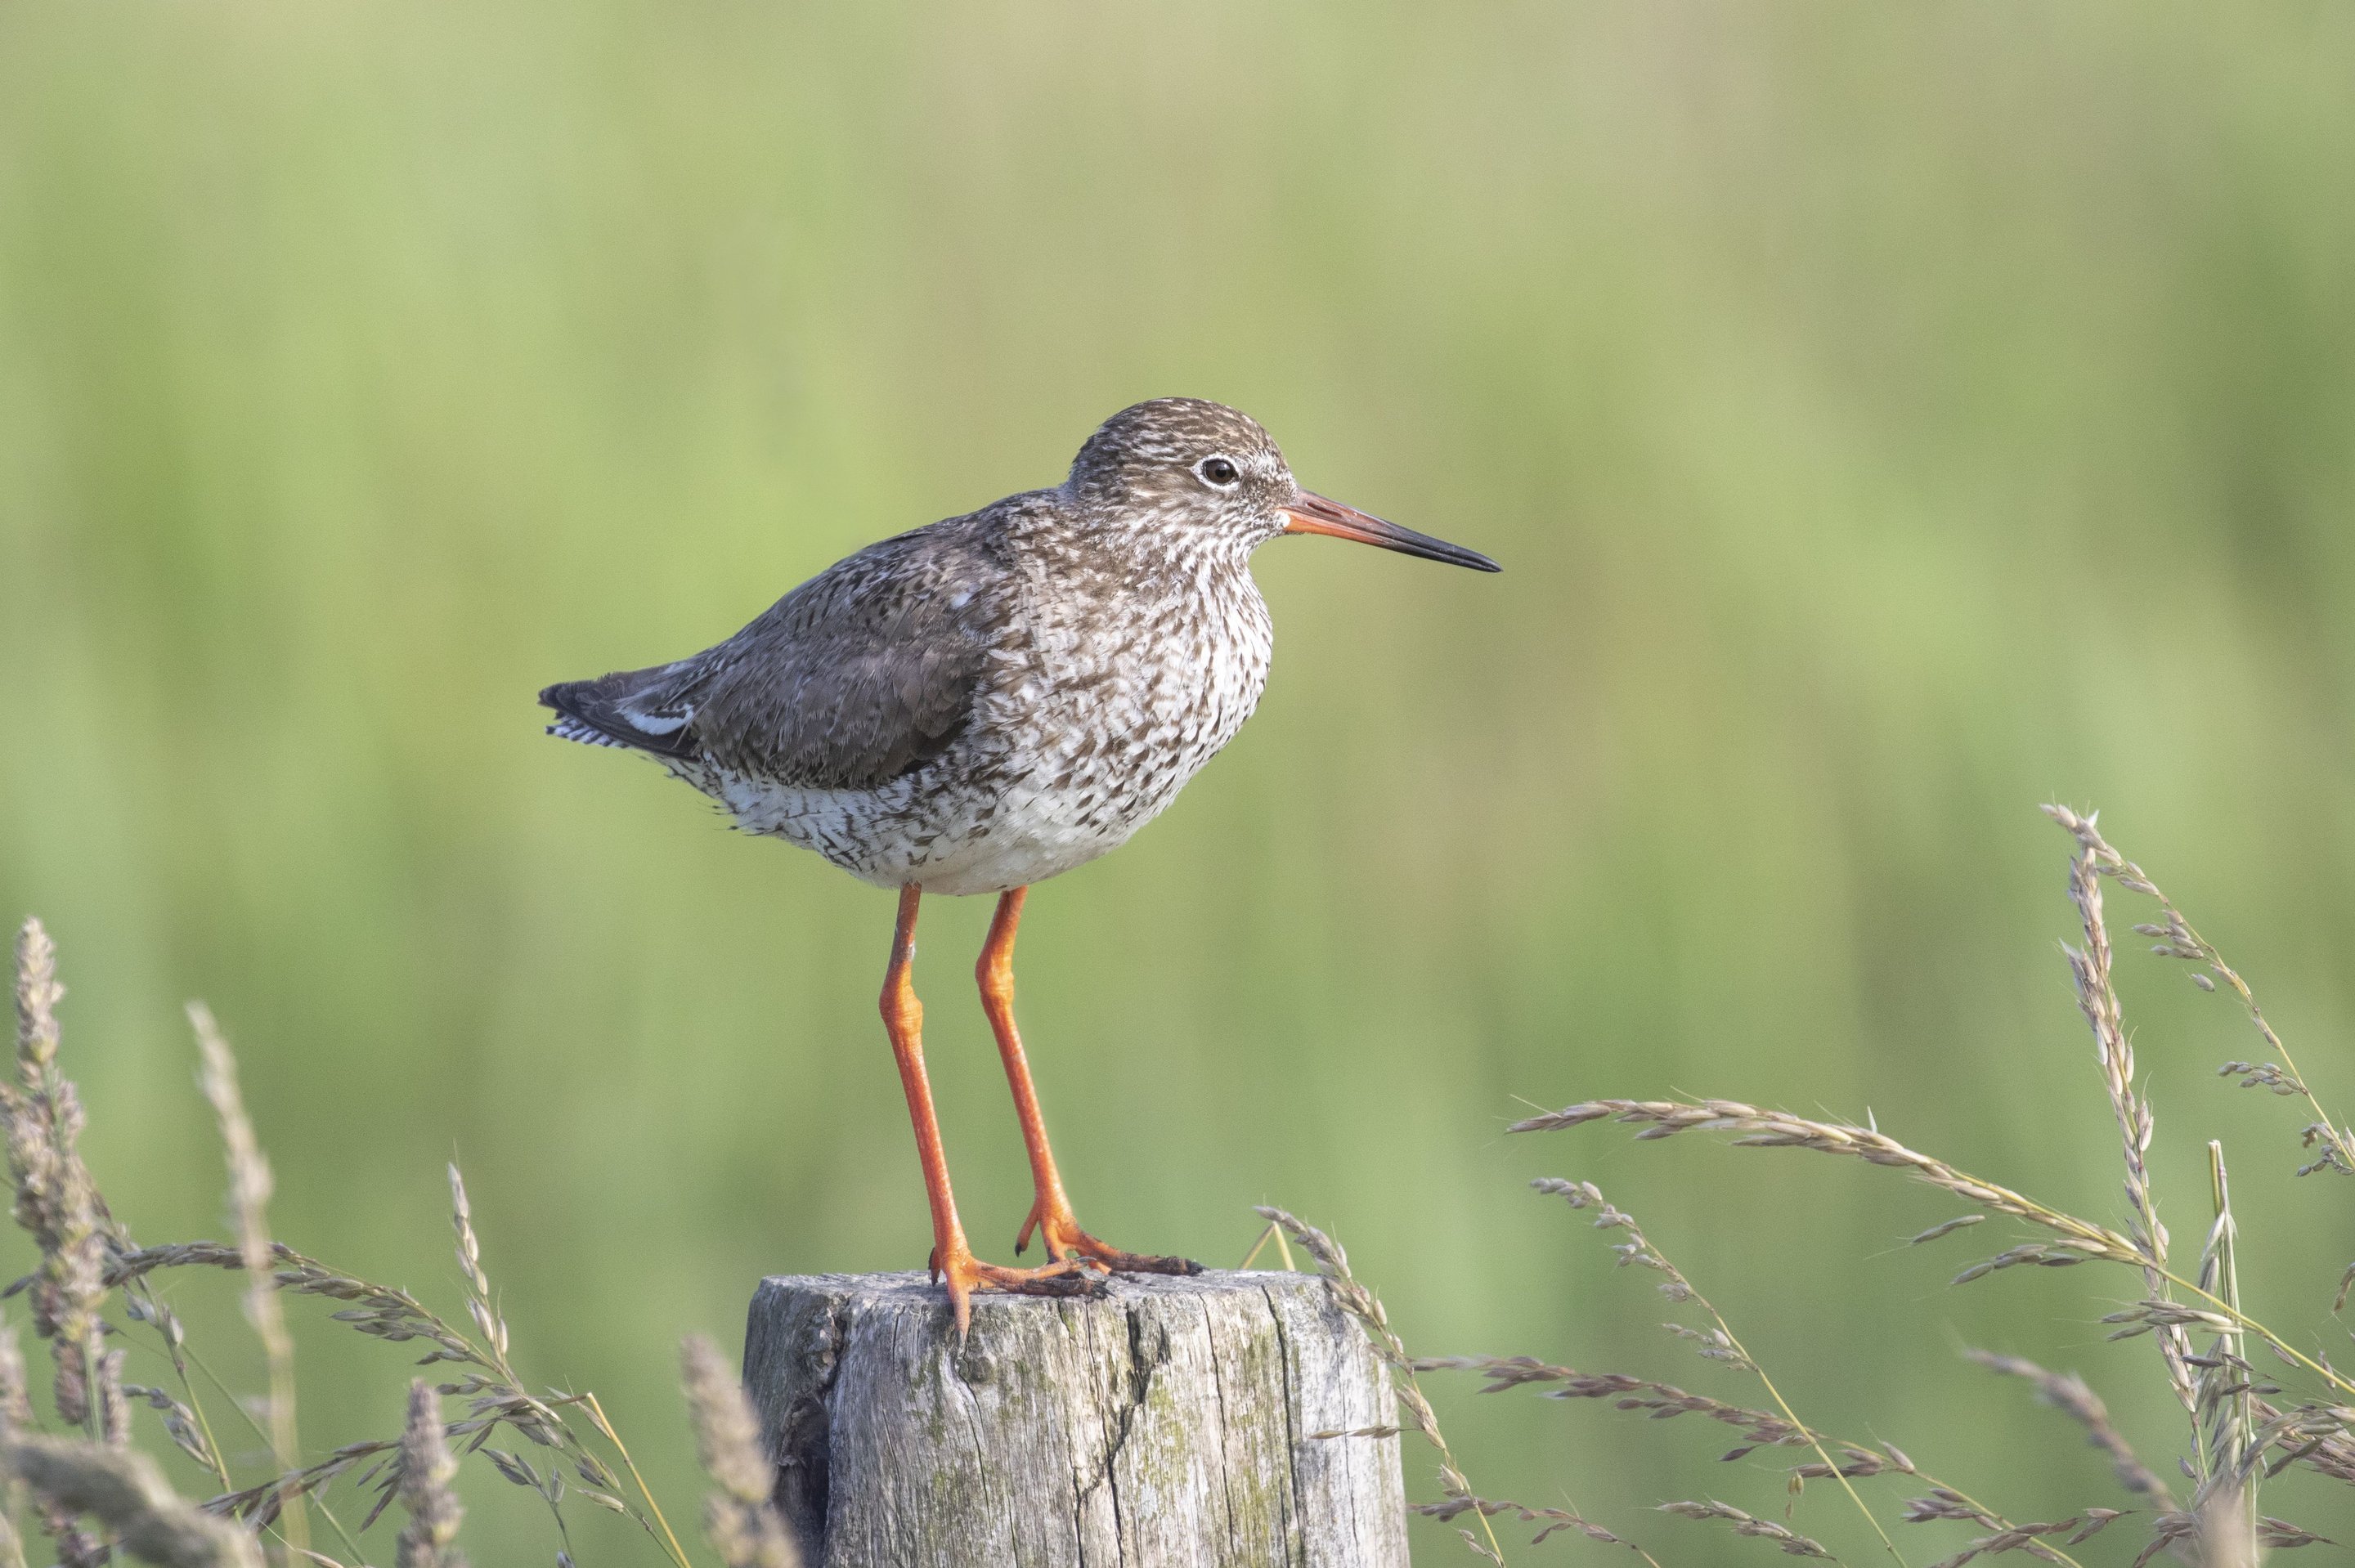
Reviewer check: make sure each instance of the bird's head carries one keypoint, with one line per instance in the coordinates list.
(1208, 474)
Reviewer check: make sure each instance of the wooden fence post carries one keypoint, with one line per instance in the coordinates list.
(1167, 1421)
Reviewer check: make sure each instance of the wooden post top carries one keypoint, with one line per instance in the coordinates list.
(1168, 1420)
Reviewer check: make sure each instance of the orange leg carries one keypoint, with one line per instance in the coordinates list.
(1050, 1214)
(903, 1020)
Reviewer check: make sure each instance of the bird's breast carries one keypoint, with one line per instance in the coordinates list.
(1118, 707)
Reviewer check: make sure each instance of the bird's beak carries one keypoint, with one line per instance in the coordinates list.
(1309, 513)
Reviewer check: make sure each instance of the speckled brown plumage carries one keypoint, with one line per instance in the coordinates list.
(993, 699)
(987, 701)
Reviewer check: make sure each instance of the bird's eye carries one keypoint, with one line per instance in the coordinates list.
(1218, 470)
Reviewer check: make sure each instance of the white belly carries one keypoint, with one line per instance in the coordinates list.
(960, 845)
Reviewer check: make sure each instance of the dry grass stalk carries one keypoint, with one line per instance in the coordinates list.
(2239, 1437)
(1274, 1232)
(1857, 1462)
(2280, 1535)
(113, 1401)
(249, 1188)
(2176, 938)
(1361, 1304)
(2068, 1392)
(496, 1394)
(2222, 1528)
(184, 1417)
(390, 1314)
(737, 1517)
(494, 1327)
(2032, 1539)
(1717, 1343)
(1760, 1128)
(427, 1469)
(126, 1492)
(86, 1254)
(501, 1398)
(2315, 1424)
(180, 1424)
(56, 1202)
(2228, 1448)
(2321, 1437)
(2097, 999)
(2083, 1240)
(1792, 1543)
(1659, 1400)
(2182, 1534)
(1549, 1519)
(2225, 1502)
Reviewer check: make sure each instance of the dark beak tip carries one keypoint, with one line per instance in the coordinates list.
(1458, 555)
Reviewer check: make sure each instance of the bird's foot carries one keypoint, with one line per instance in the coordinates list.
(963, 1274)
(1059, 1228)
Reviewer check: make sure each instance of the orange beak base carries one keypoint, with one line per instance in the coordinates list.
(1310, 512)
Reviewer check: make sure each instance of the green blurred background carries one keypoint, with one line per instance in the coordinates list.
(1890, 417)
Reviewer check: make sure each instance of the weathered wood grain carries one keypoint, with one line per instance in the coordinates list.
(1165, 1423)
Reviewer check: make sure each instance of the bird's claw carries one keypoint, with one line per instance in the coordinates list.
(1059, 1228)
(967, 1274)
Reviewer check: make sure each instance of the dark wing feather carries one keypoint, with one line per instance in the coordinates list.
(865, 671)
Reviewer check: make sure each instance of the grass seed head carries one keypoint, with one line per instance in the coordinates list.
(427, 1469)
(743, 1528)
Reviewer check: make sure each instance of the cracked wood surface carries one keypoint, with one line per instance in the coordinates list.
(1165, 1423)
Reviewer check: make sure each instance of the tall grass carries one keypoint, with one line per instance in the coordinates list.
(97, 1494)
(2241, 1423)
(2239, 1427)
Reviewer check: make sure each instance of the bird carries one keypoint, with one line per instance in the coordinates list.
(982, 703)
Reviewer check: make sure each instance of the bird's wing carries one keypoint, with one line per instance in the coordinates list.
(865, 671)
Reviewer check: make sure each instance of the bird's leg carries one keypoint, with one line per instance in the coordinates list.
(952, 1260)
(1050, 1214)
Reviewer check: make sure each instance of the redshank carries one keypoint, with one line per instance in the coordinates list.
(979, 704)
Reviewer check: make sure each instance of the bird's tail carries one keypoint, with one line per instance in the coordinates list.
(643, 710)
